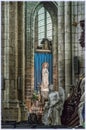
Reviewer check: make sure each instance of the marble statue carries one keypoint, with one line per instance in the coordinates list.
(54, 106)
(62, 98)
(82, 86)
(45, 114)
(80, 109)
(82, 102)
(45, 80)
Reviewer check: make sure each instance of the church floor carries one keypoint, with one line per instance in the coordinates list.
(26, 125)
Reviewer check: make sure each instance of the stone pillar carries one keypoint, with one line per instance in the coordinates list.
(28, 55)
(21, 59)
(3, 52)
(61, 46)
(29, 68)
(55, 57)
(32, 52)
(5, 43)
(74, 37)
(67, 47)
(11, 104)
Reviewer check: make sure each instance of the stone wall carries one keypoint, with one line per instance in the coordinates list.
(69, 16)
(78, 14)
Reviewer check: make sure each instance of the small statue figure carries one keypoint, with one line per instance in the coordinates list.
(45, 114)
(45, 81)
(45, 75)
(46, 44)
(62, 98)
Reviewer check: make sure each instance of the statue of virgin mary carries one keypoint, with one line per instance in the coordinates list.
(45, 80)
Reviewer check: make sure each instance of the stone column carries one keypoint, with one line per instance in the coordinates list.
(67, 48)
(61, 46)
(5, 56)
(74, 37)
(5, 44)
(11, 105)
(55, 57)
(28, 54)
(29, 77)
(13, 49)
(21, 59)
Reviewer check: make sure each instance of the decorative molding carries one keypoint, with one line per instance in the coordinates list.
(42, 51)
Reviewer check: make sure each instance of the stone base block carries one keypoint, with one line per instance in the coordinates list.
(11, 114)
(24, 112)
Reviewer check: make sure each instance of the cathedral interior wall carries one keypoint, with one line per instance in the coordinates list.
(18, 47)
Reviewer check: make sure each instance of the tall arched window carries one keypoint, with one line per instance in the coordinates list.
(43, 25)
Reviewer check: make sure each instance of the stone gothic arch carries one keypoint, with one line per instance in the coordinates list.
(53, 10)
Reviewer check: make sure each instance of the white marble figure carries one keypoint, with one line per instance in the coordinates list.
(45, 114)
(54, 107)
(82, 102)
(45, 80)
(82, 86)
(62, 98)
(45, 75)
